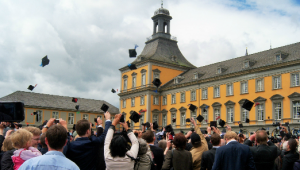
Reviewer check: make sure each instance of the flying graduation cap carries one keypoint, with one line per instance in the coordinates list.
(156, 82)
(221, 123)
(31, 87)
(45, 61)
(104, 107)
(200, 118)
(174, 120)
(247, 105)
(188, 120)
(135, 117)
(132, 66)
(213, 123)
(113, 90)
(77, 107)
(74, 100)
(155, 125)
(34, 113)
(132, 52)
(192, 107)
(169, 128)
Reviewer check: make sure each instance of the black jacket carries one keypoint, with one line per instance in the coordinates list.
(289, 159)
(158, 156)
(207, 159)
(264, 156)
(101, 162)
(6, 161)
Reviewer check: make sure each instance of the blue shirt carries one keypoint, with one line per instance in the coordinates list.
(49, 161)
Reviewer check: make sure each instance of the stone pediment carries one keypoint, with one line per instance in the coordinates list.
(277, 97)
(204, 106)
(259, 99)
(229, 102)
(216, 104)
(294, 95)
(173, 109)
(182, 109)
(242, 101)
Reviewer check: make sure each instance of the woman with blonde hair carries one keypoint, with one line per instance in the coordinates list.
(7, 152)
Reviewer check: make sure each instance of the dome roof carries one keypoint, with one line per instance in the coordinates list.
(162, 11)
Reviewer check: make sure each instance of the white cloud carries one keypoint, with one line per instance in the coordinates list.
(88, 41)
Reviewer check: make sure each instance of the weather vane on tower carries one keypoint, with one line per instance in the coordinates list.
(162, 4)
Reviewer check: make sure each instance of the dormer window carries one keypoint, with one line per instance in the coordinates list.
(278, 57)
(219, 70)
(174, 58)
(246, 64)
(176, 80)
(195, 75)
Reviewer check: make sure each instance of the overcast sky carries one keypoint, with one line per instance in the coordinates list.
(87, 41)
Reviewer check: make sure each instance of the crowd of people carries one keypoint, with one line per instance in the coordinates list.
(52, 146)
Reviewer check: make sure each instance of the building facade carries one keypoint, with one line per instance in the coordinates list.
(269, 78)
(52, 106)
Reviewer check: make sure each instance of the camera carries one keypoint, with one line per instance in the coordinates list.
(12, 112)
(56, 121)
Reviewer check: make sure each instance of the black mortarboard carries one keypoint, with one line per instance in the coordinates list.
(30, 87)
(135, 117)
(268, 133)
(169, 128)
(122, 119)
(104, 107)
(286, 123)
(132, 53)
(74, 127)
(174, 120)
(221, 123)
(213, 123)
(192, 107)
(147, 124)
(241, 125)
(155, 125)
(74, 100)
(77, 107)
(188, 120)
(34, 113)
(263, 128)
(132, 66)
(182, 131)
(113, 90)
(204, 110)
(156, 82)
(282, 133)
(128, 124)
(247, 105)
(95, 120)
(203, 131)
(247, 120)
(200, 118)
(45, 61)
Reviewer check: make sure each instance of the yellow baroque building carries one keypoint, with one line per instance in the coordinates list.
(269, 78)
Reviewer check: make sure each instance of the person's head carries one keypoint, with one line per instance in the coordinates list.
(195, 140)
(291, 145)
(230, 135)
(179, 141)
(143, 146)
(56, 137)
(215, 139)
(42, 139)
(21, 139)
(148, 136)
(118, 146)
(162, 144)
(261, 137)
(36, 132)
(83, 128)
(7, 145)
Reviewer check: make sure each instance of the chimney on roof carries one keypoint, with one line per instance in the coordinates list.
(246, 52)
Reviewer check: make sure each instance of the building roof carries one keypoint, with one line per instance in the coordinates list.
(163, 49)
(55, 102)
(233, 66)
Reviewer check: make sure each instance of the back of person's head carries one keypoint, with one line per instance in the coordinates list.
(143, 146)
(148, 136)
(215, 139)
(82, 126)
(196, 140)
(179, 141)
(7, 145)
(21, 138)
(56, 136)
(261, 137)
(118, 146)
(230, 135)
(42, 138)
(162, 144)
(292, 144)
(34, 130)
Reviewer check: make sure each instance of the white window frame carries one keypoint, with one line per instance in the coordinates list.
(296, 109)
(193, 95)
(133, 81)
(216, 91)
(124, 103)
(125, 83)
(277, 110)
(156, 75)
(259, 85)
(260, 112)
(295, 81)
(278, 57)
(143, 79)
(38, 116)
(71, 118)
(173, 115)
(276, 82)
(205, 116)
(217, 112)
(219, 70)
(85, 116)
(182, 97)
(244, 87)
(246, 64)
(142, 100)
(55, 115)
(164, 120)
(173, 98)
(155, 100)
(230, 116)
(195, 76)
(183, 118)
(132, 102)
(244, 114)
(230, 89)
(164, 100)
(155, 118)
(204, 93)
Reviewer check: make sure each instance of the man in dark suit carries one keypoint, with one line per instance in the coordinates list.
(84, 150)
(157, 152)
(264, 154)
(208, 157)
(233, 155)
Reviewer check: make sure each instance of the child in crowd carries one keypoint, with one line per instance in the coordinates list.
(21, 140)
